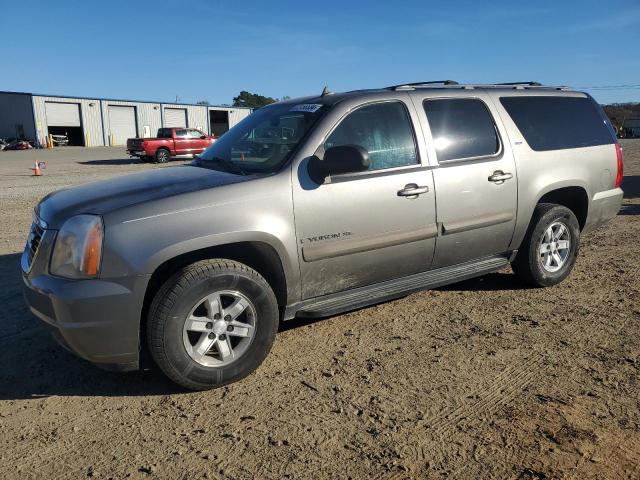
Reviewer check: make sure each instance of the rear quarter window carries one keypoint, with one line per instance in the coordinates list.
(558, 123)
(462, 128)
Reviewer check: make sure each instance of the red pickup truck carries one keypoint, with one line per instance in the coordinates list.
(170, 142)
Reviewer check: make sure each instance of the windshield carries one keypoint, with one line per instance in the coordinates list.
(263, 141)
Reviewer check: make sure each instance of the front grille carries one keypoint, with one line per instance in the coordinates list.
(33, 242)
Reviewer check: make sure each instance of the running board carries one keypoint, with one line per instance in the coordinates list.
(353, 299)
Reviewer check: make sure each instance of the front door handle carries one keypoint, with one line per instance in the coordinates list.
(412, 190)
(499, 177)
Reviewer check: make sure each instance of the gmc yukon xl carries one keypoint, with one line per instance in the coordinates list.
(316, 206)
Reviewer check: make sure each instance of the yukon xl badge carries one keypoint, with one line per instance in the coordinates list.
(328, 236)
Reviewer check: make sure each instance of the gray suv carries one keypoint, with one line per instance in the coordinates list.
(316, 206)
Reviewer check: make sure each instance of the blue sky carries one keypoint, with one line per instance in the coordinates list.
(155, 50)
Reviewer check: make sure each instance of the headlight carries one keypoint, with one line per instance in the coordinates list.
(78, 249)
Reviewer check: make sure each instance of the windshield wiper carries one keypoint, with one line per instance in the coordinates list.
(230, 166)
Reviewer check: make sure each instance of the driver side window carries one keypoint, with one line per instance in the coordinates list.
(384, 130)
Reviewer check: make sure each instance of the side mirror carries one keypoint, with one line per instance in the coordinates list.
(337, 160)
(202, 137)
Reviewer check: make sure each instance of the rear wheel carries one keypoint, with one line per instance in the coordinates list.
(162, 155)
(550, 248)
(212, 323)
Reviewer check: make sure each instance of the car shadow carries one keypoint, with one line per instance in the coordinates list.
(33, 365)
(631, 186)
(488, 283)
(112, 161)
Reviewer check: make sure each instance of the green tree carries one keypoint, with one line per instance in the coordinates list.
(251, 100)
(203, 102)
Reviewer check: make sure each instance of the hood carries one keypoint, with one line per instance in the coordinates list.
(109, 195)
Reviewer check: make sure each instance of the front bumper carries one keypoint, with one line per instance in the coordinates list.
(97, 319)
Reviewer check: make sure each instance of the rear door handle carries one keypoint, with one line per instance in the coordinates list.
(499, 177)
(412, 190)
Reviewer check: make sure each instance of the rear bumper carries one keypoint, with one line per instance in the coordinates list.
(99, 320)
(604, 206)
(137, 153)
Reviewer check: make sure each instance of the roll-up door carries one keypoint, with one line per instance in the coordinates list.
(175, 117)
(122, 123)
(63, 114)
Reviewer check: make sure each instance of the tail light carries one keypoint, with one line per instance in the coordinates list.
(620, 165)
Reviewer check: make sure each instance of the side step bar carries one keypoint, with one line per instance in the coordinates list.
(360, 297)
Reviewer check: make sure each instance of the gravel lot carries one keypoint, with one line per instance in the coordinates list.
(483, 379)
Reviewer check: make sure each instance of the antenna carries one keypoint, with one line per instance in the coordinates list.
(325, 92)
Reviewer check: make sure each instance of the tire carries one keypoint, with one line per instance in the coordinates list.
(177, 350)
(162, 155)
(532, 264)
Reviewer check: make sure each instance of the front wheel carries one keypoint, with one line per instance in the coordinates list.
(550, 248)
(212, 323)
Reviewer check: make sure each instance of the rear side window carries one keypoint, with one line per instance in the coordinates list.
(461, 128)
(164, 133)
(383, 129)
(557, 123)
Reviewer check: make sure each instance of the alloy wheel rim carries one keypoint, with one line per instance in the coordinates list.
(555, 247)
(219, 328)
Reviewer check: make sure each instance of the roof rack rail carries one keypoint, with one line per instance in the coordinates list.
(417, 84)
(533, 84)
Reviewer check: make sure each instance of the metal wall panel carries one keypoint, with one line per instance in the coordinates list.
(122, 123)
(89, 116)
(198, 118)
(236, 115)
(16, 113)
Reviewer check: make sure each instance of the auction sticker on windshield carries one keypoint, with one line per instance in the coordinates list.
(306, 107)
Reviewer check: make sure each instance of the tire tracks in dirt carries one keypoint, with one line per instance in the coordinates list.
(510, 383)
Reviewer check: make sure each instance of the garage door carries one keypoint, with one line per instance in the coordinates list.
(122, 124)
(63, 114)
(175, 117)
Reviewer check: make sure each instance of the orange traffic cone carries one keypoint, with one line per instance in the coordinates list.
(36, 170)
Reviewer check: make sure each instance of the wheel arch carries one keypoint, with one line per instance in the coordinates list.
(161, 147)
(574, 197)
(258, 255)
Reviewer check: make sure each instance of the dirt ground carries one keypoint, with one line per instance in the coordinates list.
(483, 379)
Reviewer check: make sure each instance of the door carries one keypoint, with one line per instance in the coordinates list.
(63, 114)
(122, 124)
(198, 144)
(476, 184)
(182, 141)
(363, 228)
(219, 121)
(175, 117)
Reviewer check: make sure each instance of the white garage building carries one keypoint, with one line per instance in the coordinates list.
(97, 122)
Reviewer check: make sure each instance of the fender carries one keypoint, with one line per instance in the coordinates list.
(529, 199)
(222, 239)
